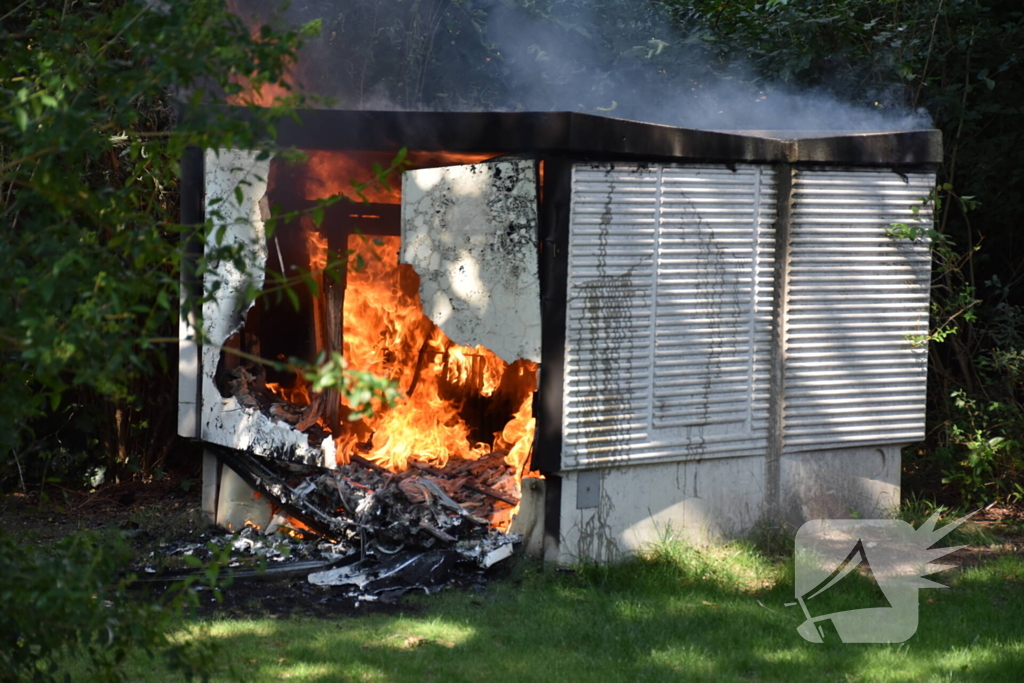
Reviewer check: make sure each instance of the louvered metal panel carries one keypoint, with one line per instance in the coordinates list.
(856, 298)
(668, 317)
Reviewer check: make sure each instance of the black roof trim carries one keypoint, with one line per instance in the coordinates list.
(589, 135)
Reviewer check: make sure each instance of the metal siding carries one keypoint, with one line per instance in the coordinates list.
(852, 376)
(668, 316)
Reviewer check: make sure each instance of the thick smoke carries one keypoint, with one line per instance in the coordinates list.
(620, 59)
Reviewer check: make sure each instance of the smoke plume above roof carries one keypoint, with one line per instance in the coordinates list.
(621, 59)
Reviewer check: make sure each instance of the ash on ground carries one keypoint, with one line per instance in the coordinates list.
(353, 534)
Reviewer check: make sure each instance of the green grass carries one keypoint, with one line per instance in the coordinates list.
(678, 614)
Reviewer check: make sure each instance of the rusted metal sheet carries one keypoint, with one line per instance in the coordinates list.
(857, 298)
(668, 321)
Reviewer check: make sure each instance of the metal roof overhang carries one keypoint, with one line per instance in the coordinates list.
(595, 136)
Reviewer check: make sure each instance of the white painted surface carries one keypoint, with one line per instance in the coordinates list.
(470, 232)
(188, 379)
(669, 313)
(852, 376)
(240, 224)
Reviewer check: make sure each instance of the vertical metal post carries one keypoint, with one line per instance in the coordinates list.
(190, 350)
(553, 218)
(780, 319)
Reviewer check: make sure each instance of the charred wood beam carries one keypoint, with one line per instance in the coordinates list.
(478, 488)
(491, 493)
(368, 464)
(334, 306)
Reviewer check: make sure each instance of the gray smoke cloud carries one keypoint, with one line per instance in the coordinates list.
(621, 59)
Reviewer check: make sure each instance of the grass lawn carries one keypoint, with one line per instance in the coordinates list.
(677, 615)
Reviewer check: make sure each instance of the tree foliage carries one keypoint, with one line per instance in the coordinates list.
(91, 247)
(90, 142)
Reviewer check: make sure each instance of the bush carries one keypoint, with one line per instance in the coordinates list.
(90, 236)
(67, 610)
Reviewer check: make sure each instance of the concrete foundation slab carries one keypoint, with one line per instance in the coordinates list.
(716, 499)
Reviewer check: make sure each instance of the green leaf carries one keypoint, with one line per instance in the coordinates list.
(21, 116)
(293, 297)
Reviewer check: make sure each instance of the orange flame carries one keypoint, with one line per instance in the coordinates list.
(330, 172)
(387, 333)
(297, 392)
(458, 402)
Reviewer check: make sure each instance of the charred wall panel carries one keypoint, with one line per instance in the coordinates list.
(471, 234)
(236, 184)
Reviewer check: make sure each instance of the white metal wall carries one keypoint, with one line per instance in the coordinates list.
(669, 313)
(669, 322)
(852, 376)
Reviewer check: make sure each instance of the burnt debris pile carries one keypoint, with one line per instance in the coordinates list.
(381, 533)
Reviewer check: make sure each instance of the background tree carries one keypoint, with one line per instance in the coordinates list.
(90, 255)
(90, 238)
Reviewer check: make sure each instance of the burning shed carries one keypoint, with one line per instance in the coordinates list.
(602, 330)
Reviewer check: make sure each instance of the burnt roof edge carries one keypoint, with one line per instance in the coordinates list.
(591, 135)
(896, 148)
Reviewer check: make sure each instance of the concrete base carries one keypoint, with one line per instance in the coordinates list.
(604, 515)
(608, 514)
(840, 484)
(211, 486)
(529, 521)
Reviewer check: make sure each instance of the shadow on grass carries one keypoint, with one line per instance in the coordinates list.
(679, 614)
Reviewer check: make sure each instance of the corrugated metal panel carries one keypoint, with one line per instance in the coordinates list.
(668, 323)
(852, 376)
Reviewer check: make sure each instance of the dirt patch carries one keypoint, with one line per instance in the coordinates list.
(280, 598)
(147, 511)
(1004, 528)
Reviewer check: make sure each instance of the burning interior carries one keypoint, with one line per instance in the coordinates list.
(597, 328)
(460, 404)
